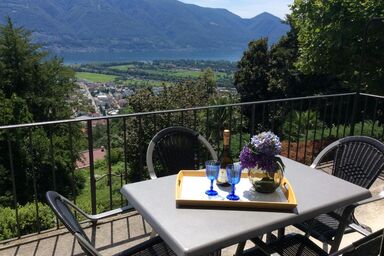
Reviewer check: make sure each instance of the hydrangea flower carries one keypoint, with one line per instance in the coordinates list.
(247, 158)
(266, 143)
(261, 152)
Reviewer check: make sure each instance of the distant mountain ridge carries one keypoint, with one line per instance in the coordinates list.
(113, 25)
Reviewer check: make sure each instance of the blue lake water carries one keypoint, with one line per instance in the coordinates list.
(100, 57)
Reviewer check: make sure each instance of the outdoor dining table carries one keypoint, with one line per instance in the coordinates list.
(200, 231)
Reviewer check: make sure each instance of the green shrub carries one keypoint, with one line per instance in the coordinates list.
(117, 155)
(297, 124)
(7, 223)
(368, 128)
(27, 220)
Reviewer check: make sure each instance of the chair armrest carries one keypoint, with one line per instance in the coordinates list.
(110, 213)
(359, 228)
(375, 198)
(324, 152)
(350, 208)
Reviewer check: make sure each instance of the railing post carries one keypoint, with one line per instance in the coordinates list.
(353, 115)
(125, 150)
(139, 175)
(13, 185)
(91, 166)
(34, 155)
(109, 163)
(252, 126)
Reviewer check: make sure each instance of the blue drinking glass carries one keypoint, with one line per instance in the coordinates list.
(234, 175)
(212, 169)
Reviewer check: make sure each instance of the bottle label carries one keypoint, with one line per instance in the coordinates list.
(226, 138)
(222, 177)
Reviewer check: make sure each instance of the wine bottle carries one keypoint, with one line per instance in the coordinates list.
(225, 159)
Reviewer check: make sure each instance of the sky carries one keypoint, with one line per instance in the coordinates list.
(247, 8)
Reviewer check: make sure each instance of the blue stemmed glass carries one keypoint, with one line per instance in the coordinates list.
(212, 169)
(234, 175)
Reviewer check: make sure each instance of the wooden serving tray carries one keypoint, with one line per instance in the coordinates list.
(191, 187)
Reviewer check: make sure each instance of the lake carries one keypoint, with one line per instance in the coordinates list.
(125, 56)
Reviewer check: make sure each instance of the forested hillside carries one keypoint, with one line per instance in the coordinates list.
(113, 25)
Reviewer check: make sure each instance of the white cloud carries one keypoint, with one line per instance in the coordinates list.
(247, 8)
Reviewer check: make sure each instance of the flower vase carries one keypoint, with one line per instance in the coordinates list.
(266, 181)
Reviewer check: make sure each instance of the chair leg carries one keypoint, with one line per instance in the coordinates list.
(93, 233)
(215, 253)
(341, 228)
(240, 249)
(270, 237)
(280, 232)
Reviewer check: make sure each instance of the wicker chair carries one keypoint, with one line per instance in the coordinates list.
(176, 148)
(359, 160)
(61, 206)
(299, 245)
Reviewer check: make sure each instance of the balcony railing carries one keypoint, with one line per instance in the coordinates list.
(50, 149)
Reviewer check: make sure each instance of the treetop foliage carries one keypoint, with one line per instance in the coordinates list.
(251, 79)
(27, 73)
(33, 88)
(330, 36)
(323, 53)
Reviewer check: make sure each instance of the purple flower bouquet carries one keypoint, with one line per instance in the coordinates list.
(260, 157)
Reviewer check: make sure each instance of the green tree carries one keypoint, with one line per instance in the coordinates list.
(330, 36)
(185, 94)
(207, 79)
(25, 71)
(283, 76)
(251, 79)
(272, 73)
(33, 88)
(265, 74)
(285, 80)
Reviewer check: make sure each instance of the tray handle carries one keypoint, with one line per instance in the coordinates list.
(285, 186)
(288, 191)
(179, 183)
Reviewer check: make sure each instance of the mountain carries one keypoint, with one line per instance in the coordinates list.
(113, 25)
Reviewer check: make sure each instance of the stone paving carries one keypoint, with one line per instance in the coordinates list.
(120, 232)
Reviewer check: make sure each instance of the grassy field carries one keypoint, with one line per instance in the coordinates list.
(182, 73)
(95, 77)
(122, 67)
(178, 73)
(167, 74)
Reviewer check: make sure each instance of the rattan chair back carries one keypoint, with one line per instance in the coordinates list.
(177, 148)
(357, 159)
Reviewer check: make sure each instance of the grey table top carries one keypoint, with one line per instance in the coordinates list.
(200, 231)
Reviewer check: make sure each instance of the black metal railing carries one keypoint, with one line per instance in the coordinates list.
(42, 156)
